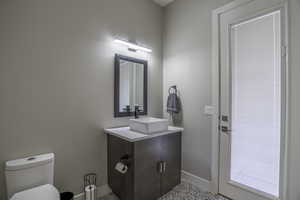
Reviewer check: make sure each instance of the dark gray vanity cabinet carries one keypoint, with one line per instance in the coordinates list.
(154, 166)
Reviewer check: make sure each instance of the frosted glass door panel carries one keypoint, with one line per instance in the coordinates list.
(255, 109)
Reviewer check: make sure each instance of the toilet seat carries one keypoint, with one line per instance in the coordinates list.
(44, 192)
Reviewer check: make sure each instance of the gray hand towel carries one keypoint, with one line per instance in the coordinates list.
(173, 104)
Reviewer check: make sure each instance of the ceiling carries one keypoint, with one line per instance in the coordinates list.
(163, 2)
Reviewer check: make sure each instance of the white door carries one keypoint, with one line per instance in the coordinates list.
(252, 100)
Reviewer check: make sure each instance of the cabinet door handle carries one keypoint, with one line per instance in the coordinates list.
(160, 167)
(164, 166)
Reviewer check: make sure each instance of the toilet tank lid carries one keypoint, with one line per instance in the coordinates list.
(29, 162)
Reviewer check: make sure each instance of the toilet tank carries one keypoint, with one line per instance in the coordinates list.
(26, 173)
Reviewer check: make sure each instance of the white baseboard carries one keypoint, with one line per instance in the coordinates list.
(201, 183)
(101, 192)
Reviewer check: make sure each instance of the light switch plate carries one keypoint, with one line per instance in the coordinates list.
(209, 110)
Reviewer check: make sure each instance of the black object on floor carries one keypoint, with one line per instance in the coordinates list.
(66, 196)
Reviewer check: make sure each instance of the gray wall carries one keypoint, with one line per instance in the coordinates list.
(56, 79)
(187, 63)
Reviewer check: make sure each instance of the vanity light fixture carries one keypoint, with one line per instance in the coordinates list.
(132, 46)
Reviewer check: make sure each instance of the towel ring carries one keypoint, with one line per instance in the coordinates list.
(174, 88)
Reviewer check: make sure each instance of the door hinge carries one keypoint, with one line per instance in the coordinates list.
(283, 51)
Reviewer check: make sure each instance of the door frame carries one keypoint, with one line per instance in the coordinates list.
(215, 152)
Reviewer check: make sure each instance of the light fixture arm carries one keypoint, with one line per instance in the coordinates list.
(132, 46)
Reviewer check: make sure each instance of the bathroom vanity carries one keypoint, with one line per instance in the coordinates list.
(144, 159)
(153, 160)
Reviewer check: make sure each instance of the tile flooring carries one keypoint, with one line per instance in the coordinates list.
(184, 191)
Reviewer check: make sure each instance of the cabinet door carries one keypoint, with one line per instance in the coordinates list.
(146, 175)
(171, 156)
(121, 184)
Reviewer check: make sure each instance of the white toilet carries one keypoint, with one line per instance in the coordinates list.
(31, 178)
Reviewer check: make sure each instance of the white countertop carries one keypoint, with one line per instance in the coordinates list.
(133, 136)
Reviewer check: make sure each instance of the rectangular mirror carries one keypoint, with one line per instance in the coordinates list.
(130, 86)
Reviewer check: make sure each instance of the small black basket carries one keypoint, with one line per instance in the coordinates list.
(66, 196)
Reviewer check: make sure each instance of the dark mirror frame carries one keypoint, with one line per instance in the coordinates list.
(117, 112)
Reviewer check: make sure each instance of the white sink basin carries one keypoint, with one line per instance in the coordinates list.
(148, 125)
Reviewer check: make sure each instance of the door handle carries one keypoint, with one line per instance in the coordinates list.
(162, 166)
(225, 129)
